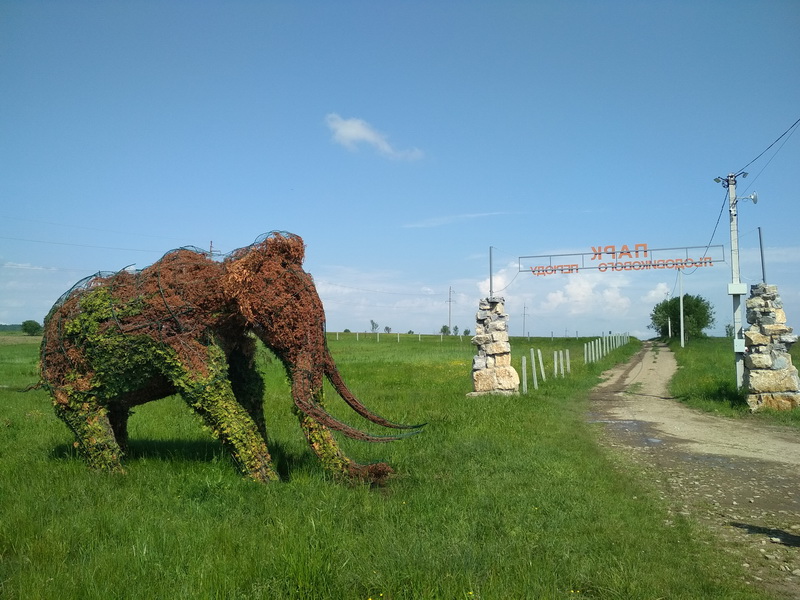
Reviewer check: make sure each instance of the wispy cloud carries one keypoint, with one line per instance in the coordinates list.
(448, 219)
(353, 132)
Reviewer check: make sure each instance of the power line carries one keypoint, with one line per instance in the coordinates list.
(79, 245)
(713, 233)
(741, 171)
(515, 276)
(771, 158)
(62, 225)
(768, 147)
(510, 282)
(349, 287)
(47, 269)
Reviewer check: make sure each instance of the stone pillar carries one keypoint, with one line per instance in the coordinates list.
(769, 375)
(492, 372)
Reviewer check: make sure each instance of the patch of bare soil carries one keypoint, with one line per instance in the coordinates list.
(737, 478)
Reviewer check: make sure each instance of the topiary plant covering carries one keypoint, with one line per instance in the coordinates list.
(186, 325)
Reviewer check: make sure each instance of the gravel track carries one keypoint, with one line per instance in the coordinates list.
(737, 478)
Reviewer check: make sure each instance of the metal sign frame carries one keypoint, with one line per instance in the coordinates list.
(641, 258)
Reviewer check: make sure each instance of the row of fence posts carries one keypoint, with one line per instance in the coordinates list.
(377, 335)
(561, 365)
(600, 347)
(593, 351)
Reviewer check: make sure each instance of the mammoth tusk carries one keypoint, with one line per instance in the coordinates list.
(341, 388)
(303, 395)
(320, 414)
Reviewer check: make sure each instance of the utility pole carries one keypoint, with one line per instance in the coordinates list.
(736, 289)
(524, 314)
(449, 309)
(761, 247)
(683, 335)
(491, 284)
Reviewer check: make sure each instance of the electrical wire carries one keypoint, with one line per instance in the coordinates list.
(752, 180)
(768, 147)
(713, 233)
(62, 225)
(349, 287)
(78, 245)
(790, 132)
(510, 282)
(46, 269)
(517, 271)
(725, 199)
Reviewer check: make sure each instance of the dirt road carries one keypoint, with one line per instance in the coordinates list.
(739, 478)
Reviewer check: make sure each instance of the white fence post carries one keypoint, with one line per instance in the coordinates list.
(524, 376)
(533, 370)
(541, 365)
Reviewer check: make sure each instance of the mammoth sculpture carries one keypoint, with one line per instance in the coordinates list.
(187, 325)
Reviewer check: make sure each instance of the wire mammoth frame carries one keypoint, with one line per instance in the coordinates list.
(187, 324)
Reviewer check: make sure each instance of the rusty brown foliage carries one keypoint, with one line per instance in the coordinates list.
(121, 339)
(185, 297)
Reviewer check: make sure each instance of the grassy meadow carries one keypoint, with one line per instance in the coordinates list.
(499, 497)
(706, 380)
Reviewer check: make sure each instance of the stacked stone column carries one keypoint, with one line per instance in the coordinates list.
(769, 375)
(492, 372)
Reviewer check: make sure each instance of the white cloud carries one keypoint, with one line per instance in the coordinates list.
(553, 300)
(657, 294)
(581, 295)
(614, 301)
(352, 132)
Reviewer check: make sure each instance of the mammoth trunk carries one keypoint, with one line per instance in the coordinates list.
(341, 388)
(307, 395)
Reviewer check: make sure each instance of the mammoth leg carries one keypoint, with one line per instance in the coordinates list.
(118, 419)
(94, 434)
(247, 384)
(325, 445)
(213, 399)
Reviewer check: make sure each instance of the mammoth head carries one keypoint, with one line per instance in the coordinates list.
(280, 303)
(274, 294)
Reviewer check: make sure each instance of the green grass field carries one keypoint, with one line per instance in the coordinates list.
(500, 497)
(706, 380)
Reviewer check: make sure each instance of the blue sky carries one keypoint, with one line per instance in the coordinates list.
(402, 140)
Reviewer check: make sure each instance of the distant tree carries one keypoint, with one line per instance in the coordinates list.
(467, 332)
(31, 327)
(387, 329)
(698, 314)
(455, 329)
(410, 332)
(445, 330)
(346, 330)
(373, 326)
(729, 330)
